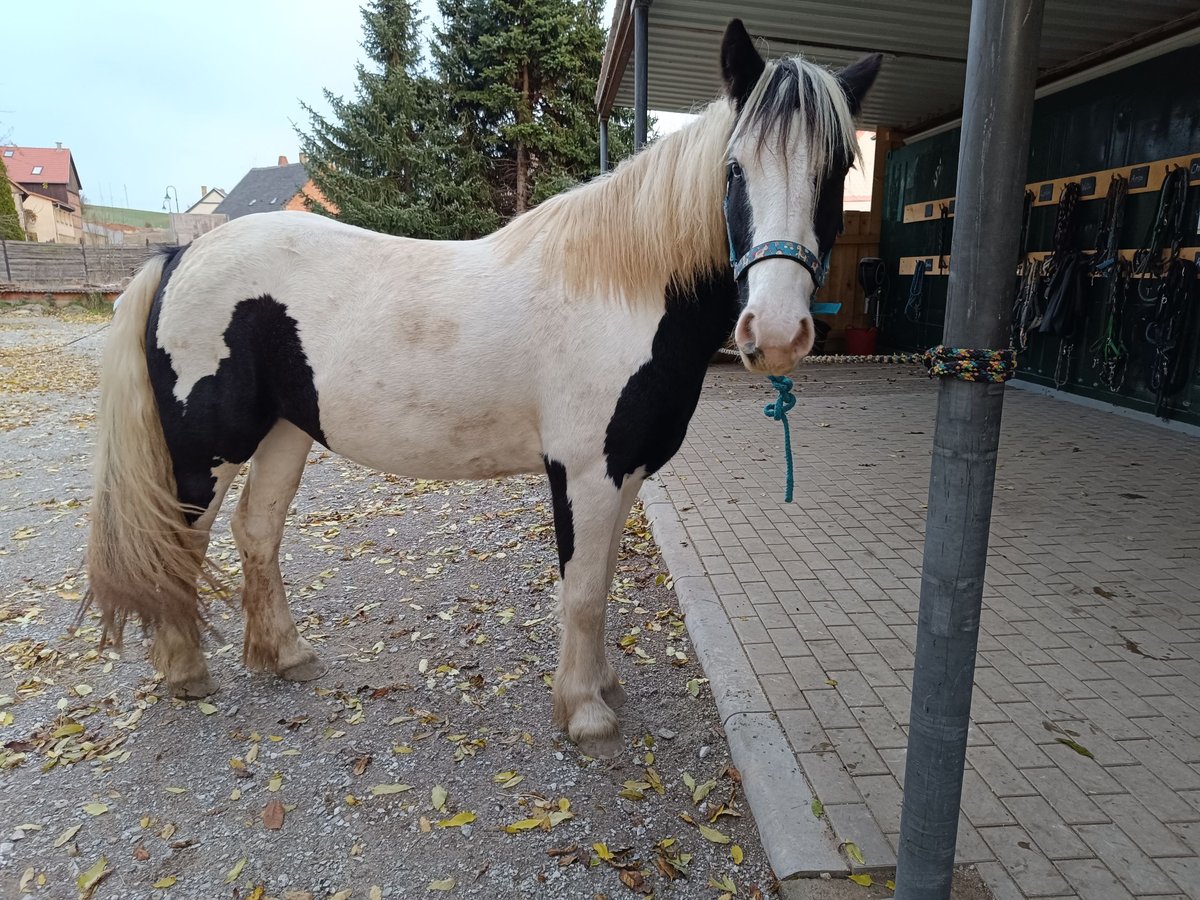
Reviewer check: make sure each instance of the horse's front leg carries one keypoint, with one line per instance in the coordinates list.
(589, 515)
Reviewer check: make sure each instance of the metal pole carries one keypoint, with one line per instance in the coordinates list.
(641, 63)
(993, 155)
(603, 146)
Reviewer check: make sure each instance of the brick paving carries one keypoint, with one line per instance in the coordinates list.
(1090, 631)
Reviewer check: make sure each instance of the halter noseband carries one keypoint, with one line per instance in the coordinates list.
(769, 249)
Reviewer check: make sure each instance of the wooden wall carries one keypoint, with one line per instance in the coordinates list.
(841, 284)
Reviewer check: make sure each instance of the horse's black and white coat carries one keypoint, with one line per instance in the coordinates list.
(573, 341)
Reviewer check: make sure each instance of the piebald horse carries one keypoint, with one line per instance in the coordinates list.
(583, 329)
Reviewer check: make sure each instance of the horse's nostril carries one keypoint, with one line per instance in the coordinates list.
(744, 335)
(805, 337)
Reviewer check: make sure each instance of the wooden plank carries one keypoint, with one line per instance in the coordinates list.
(886, 140)
(1143, 177)
(841, 282)
(908, 264)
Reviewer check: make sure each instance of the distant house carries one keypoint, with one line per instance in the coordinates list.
(272, 188)
(50, 189)
(210, 199)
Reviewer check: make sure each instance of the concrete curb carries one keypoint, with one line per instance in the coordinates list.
(797, 844)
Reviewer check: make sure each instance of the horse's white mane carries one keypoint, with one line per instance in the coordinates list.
(658, 217)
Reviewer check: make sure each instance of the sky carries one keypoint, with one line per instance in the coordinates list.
(155, 93)
(151, 93)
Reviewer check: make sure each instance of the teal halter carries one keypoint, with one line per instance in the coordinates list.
(770, 249)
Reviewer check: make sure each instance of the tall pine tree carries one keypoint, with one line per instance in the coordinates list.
(521, 76)
(390, 159)
(10, 222)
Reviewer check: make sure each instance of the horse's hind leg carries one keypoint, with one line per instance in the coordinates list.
(271, 643)
(589, 514)
(176, 648)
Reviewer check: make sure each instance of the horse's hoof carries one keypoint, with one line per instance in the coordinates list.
(194, 688)
(306, 670)
(614, 694)
(595, 731)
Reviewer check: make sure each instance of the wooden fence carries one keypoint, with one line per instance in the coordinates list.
(29, 266)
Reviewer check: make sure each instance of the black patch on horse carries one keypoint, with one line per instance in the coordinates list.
(564, 520)
(739, 223)
(651, 417)
(266, 377)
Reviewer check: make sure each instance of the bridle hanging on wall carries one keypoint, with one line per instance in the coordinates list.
(1027, 311)
(1110, 355)
(1064, 310)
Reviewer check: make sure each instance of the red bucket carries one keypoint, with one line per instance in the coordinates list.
(861, 341)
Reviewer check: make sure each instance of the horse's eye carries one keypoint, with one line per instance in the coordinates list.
(735, 170)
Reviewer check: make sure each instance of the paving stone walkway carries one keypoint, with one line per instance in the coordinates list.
(1090, 636)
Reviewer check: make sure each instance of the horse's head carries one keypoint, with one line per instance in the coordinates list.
(791, 148)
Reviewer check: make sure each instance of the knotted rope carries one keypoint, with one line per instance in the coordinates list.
(995, 366)
(778, 409)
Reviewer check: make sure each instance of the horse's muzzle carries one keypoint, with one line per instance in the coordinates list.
(773, 351)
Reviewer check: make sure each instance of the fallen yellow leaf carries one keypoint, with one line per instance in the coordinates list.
(457, 820)
(523, 825)
(381, 789)
(275, 783)
(67, 835)
(95, 809)
(736, 854)
(864, 880)
(711, 834)
(439, 797)
(166, 882)
(92, 876)
(446, 884)
(235, 871)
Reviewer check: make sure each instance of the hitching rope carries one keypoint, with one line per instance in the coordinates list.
(965, 364)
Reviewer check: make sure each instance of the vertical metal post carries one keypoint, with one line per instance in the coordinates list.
(83, 253)
(603, 146)
(641, 63)
(993, 155)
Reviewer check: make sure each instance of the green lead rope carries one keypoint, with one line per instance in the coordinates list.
(778, 409)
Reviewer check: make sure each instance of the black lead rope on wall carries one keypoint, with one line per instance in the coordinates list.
(945, 231)
(916, 291)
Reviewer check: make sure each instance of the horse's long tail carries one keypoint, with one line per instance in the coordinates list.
(143, 558)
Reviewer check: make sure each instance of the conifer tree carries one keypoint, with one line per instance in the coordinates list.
(521, 77)
(389, 158)
(10, 222)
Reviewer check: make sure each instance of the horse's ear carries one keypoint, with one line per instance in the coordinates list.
(741, 65)
(857, 79)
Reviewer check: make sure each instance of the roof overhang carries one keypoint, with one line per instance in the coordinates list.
(924, 43)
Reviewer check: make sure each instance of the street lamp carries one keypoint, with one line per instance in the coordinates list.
(167, 198)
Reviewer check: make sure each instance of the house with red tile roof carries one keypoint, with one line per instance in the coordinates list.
(50, 185)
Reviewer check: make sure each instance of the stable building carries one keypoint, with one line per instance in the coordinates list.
(1116, 96)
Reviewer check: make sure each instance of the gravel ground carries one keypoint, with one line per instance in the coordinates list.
(423, 763)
